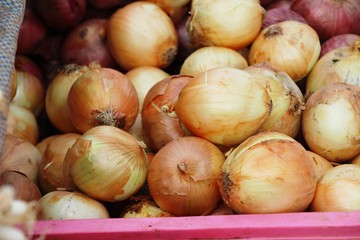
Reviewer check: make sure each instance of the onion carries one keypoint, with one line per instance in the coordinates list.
(342, 40)
(268, 173)
(57, 95)
(330, 17)
(108, 4)
(356, 160)
(175, 9)
(292, 46)
(223, 105)
(286, 97)
(30, 92)
(107, 164)
(87, 43)
(25, 188)
(224, 23)
(143, 79)
(102, 96)
(42, 145)
(22, 123)
(331, 122)
(13, 85)
(338, 65)
(26, 64)
(222, 209)
(61, 15)
(185, 45)
(52, 175)
(322, 165)
(11, 232)
(142, 29)
(143, 208)
(182, 176)
(32, 31)
(159, 121)
(286, 4)
(49, 49)
(338, 190)
(59, 205)
(265, 3)
(21, 156)
(276, 15)
(210, 57)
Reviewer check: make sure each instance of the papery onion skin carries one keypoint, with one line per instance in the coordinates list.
(61, 205)
(20, 155)
(206, 58)
(341, 40)
(52, 174)
(280, 14)
(142, 29)
(330, 17)
(26, 64)
(225, 24)
(331, 122)
(286, 97)
(322, 165)
(182, 176)
(87, 43)
(268, 173)
(25, 188)
(223, 105)
(56, 96)
(144, 208)
(292, 46)
(107, 164)
(338, 190)
(338, 65)
(102, 96)
(41, 146)
(286, 4)
(159, 121)
(22, 122)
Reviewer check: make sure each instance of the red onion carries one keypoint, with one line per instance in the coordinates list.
(342, 40)
(185, 46)
(280, 14)
(330, 17)
(26, 64)
(280, 4)
(87, 43)
(32, 32)
(108, 4)
(61, 15)
(264, 3)
(49, 49)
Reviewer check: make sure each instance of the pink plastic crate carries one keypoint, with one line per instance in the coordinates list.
(305, 225)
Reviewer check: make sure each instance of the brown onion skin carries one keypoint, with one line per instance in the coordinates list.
(87, 43)
(61, 15)
(342, 40)
(32, 32)
(159, 125)
(281, 14)
(25, 189)
(330, 17)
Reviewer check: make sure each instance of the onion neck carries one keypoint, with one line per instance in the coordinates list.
(182, 167)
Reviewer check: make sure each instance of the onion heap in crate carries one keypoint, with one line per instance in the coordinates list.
(186, 108)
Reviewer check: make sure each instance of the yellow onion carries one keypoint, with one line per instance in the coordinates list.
(339, 65)
(224, 23)
(292, 46)
(331, 122)
(222, 209)
(338, 190)
(182, 176)
(210, 57)
(107, 164)
(143, 208)
(30, 92)
(57, 94)
(20, 155)
(176, 10)
(13, 85)
(142, 34)
(356, 160)
(102, 96)
(61, 205)
(287, 99)
(223, 105)
(268, 173)
(52, 175)
(159, 121)
(22, 122)
(322, 165)
(41, 146)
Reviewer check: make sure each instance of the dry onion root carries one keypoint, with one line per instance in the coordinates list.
(268, 173)
(331, 122)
